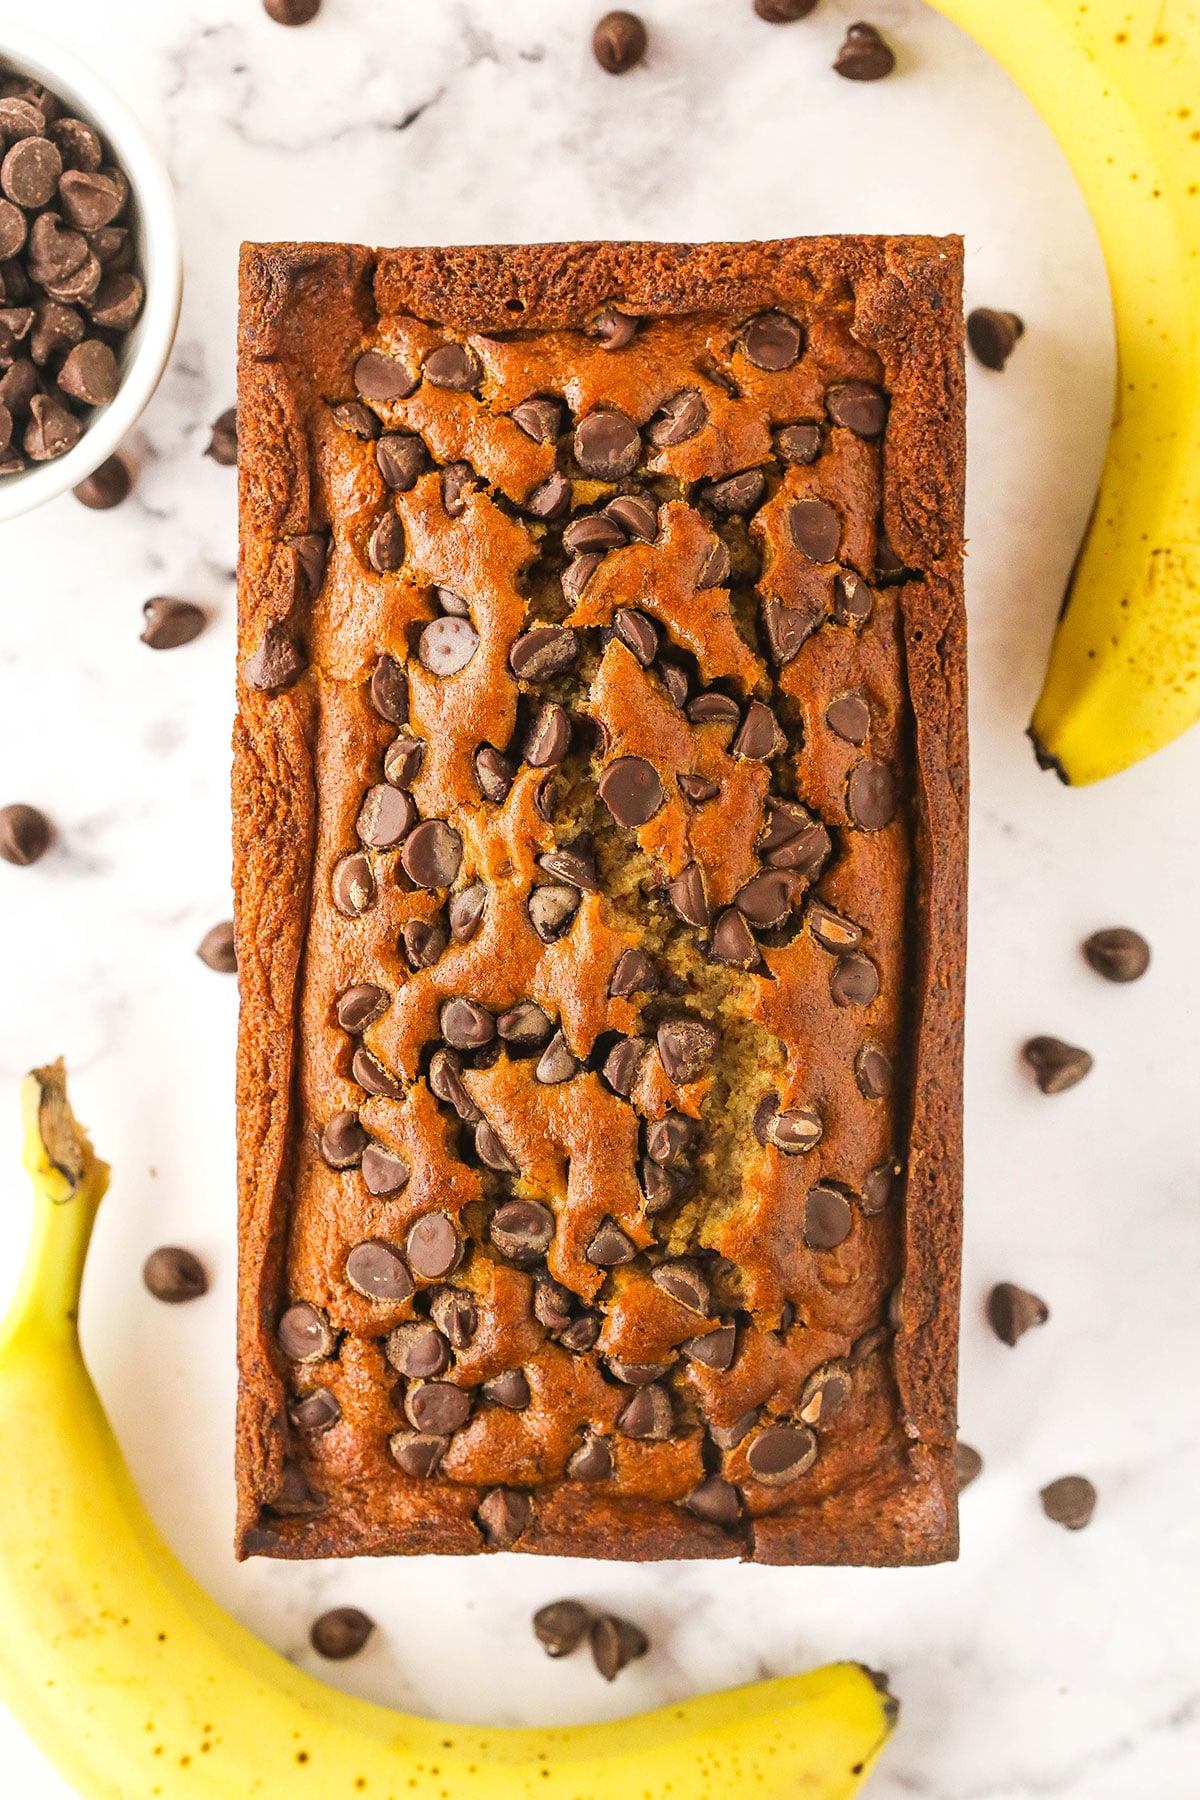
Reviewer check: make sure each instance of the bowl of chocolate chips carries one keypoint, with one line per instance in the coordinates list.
(90, 270)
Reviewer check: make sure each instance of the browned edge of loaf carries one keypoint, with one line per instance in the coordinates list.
(908, 307)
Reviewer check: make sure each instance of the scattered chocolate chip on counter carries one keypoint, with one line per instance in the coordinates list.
(216, 948)
(1012, 1311)
(561, 1626)
(783, 12)
(170, 623)
(222, 444)
(993, 335)
(968, 1465)
(174, 1275)
(615, 1643)
(1056, 1066)
(1118, 953)
(1069, 1501)
(619, 42)
(25, 834)
(865, 55)
(292, 12)
(106, 486)
(340, 1633)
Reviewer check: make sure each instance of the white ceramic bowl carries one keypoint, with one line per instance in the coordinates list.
(156, 228)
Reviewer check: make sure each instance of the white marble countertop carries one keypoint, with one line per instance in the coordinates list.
(1043, 1663)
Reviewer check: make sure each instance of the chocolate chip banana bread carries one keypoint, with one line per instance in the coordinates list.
(599, 807)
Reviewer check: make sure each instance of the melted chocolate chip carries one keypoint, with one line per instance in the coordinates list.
(432, 1247)
(827, 1218)
(551, 498)
(389, 691)
(816, 529)
(437, 1407)
(849, 717)
(607, 445)
(686, 1046)
(545, 651)
(384, 1173)
(714, 1349)
(772, 341)
(634, 973)
(540, 419)
(636, 514)
(417, 1454)
(647, 1415)
(556, 1063)
(593, 1461)
(549, 737)
(631, 790)
(638, 634)
(685, 1282)
(871, 795)
(855, 981)
(781, 1453)
(304, 1334)
(766, 899)
(551, 910)
(716, 1501)
(385, 817)
(353, 885)
(622, 1063)
(424, 941)
(608, 1246)
(432, 854)
(400, 459)
(493, 772)
(378, 1272)
(522, 1231)
(383, 378)
(402, 761)
(732, 943)
(525, 1027)
(687, 897)
(504, 1516)
(453, 366)
(859, 406)
(509, 1389)
(680, 418)
(465, 1025)
(418, 1350)
(447, 645)
(372, 1075)
(669, 1138)
(737, 493)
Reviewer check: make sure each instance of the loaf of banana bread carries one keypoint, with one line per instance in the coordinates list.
(599, 810)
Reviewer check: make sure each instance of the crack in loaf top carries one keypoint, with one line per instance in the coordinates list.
(598, 806)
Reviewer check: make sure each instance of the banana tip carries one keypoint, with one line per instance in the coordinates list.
(1046, 759)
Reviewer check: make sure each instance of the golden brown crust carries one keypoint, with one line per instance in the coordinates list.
(882, 310)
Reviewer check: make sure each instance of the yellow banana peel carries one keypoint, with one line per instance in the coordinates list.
(139, 1687)
(1118, 81)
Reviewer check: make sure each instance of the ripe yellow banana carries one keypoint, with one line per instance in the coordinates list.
(136, 1685)
(1118, 81)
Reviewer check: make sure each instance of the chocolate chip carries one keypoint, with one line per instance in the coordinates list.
(678, 419)
(968, 1465)
(30, 171)
(357, 419)
(636, 1374)
(344, 1631)
(222, 444)
(788, 629)
(714, 570)
(578, 573)
(385, 546)
(174, 1275)
(772, 341)
(716, 1501)
(795, 1131)
(383, 378)
(1012, 1311)
(317, 1411)
(854, 982)
(768, 1106)
(360, 1006)
(615, 1643)
(607, 445)
(522, 1231)
(454, 1313)
(509, 1389)
(465, 1025)
(859, 406)
(728, 1437)
(493, 772)
(384, 1173)
(525, 1027)
(353, 885)
(217, 950)
(466, 910)
(432, 1247)
(686, 1046)
(873, 1072)
(674, 678)
(51, 430)
(737, 493)
(798, 443)
(766, 899)
(685, 1282)
(825, 1393)
(871, 795)
(647, 1415)
(687, 898)
(389, 691)
(622, 1063)
(549, 736)
(491, 1151)
(278, 662)
(879, 1187)
(713, 708)
(619, 42)
(592, 1461)
(417, 1453)
(453, 366)
(504, 1516)
(116, 303)
(561, 1627)
(20, 115)
(432, 854)
(782, 1453)
(993, 335)
(424, 941)
(556, 1062)
(827, 1218)
(1118, 953)
(458, 480)
(732, 943)
(589, 532)
(638, 634)
(19, 383)
(759, 736)
(669, 1138)
(400, 459)
(546, 651)
(864, 56)
(551, 1303)
(631, 790)
(24, 834)
(783, 12)
(634, 973)
(816, 529)
(551, 910)
(609, 1246)
(90, 373)
(402, 762)
(89, 198)
(447, 645)
(385, 817)
(661, 1185)
(540, 419)
(1056, 1066)
(550, 498)
(613, 329)
(170, 623)
(831, 930)
(304, 1334)
(437, 1407)
(1069, 1501)
(13, 229)
(637, 515)
(343, 1141)
(697, 788)
(713, 1348)
(849, 717)
(445, 1080)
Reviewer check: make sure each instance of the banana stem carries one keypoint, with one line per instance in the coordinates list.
(69, 1182)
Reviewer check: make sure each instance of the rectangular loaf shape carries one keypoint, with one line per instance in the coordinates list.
(600, 840)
